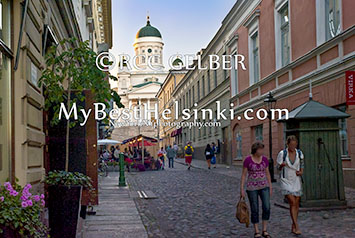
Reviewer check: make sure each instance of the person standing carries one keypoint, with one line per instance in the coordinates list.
(161, 153)
(116, 153)
(258, 185)
(189, 150)
(170, 153)
(176, 148)
(290, 162)
(208, 155)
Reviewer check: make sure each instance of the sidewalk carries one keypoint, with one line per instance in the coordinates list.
(117, 215)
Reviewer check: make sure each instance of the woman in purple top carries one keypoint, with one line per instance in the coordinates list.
(258, 185)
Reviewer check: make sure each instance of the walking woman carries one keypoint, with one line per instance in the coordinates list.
(189, 151)
(258, 185)
(209, 154)
(290, 163)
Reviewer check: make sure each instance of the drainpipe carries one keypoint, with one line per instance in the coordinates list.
(23, 22)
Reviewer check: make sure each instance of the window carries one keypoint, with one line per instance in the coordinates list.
(332, 18)
(149, 50)
(234, 78)
(199, 129)
(198, 90)
(190, 104)
(187, 100)
(143, 59)
(203, 86)
(193, 94)
(258, 133)
(238, 138)
(208, 82)
(255, 57)
(225, 74)
(124, 84)
(156, 59)
(285, 35)
(215, 78)
(343, 134)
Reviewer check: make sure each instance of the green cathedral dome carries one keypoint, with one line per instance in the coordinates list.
(148, 30)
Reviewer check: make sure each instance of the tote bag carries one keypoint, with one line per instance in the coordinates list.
(242, 213)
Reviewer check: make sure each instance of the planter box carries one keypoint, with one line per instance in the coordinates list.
(9, 233)
(63, 206)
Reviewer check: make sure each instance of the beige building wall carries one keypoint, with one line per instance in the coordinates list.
(29, 143)
(167, 101)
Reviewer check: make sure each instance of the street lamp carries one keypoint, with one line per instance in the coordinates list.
(270, 104)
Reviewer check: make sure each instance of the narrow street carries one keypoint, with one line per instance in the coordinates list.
(201, 203)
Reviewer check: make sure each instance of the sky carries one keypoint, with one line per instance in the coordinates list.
(186, 26)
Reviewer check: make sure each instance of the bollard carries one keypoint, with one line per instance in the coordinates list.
(122, 179)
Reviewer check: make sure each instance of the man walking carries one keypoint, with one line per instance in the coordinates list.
(170, 153)
(189, 150)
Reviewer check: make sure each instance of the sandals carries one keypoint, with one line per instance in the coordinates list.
(265, 234)
(257, 235)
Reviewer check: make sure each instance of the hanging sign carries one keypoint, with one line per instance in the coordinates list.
(350, 91)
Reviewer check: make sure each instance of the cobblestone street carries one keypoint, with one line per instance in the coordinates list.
(201, 203)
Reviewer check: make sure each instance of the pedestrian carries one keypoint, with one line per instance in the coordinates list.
(161, 154)
(258, 185)
(290, 162)
(176, 148)
(215, 150)
(189, 150)
(116, 153)
(106, 155)
(208, 155)
(171, 153)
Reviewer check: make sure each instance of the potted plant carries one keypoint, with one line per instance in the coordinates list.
(70, 69)
(20, 212)
(64, 189)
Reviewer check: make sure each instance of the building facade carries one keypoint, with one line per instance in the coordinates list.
(138, 86)
(167, 130)
(292, 48)
(28, 28)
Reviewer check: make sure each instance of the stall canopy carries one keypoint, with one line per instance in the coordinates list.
(107, 142)
(176, 132)
(314, 110)
(137, 141)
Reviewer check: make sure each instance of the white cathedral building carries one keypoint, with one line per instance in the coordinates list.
(139, 86)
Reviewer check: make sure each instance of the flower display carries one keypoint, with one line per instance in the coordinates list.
(21, 211)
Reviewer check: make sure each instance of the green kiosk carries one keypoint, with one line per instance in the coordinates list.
(317, 129)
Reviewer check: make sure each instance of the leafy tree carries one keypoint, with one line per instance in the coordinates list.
(71, 68)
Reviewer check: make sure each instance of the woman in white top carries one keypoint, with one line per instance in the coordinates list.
(290, 163)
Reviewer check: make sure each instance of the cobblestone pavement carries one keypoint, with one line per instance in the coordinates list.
(201, 203)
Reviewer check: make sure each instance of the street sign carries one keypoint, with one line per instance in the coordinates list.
(350, 93)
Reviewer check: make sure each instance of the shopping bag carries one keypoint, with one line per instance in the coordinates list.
(213, 160)
(242, 213)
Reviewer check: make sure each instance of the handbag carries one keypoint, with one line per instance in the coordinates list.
(242, 213)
